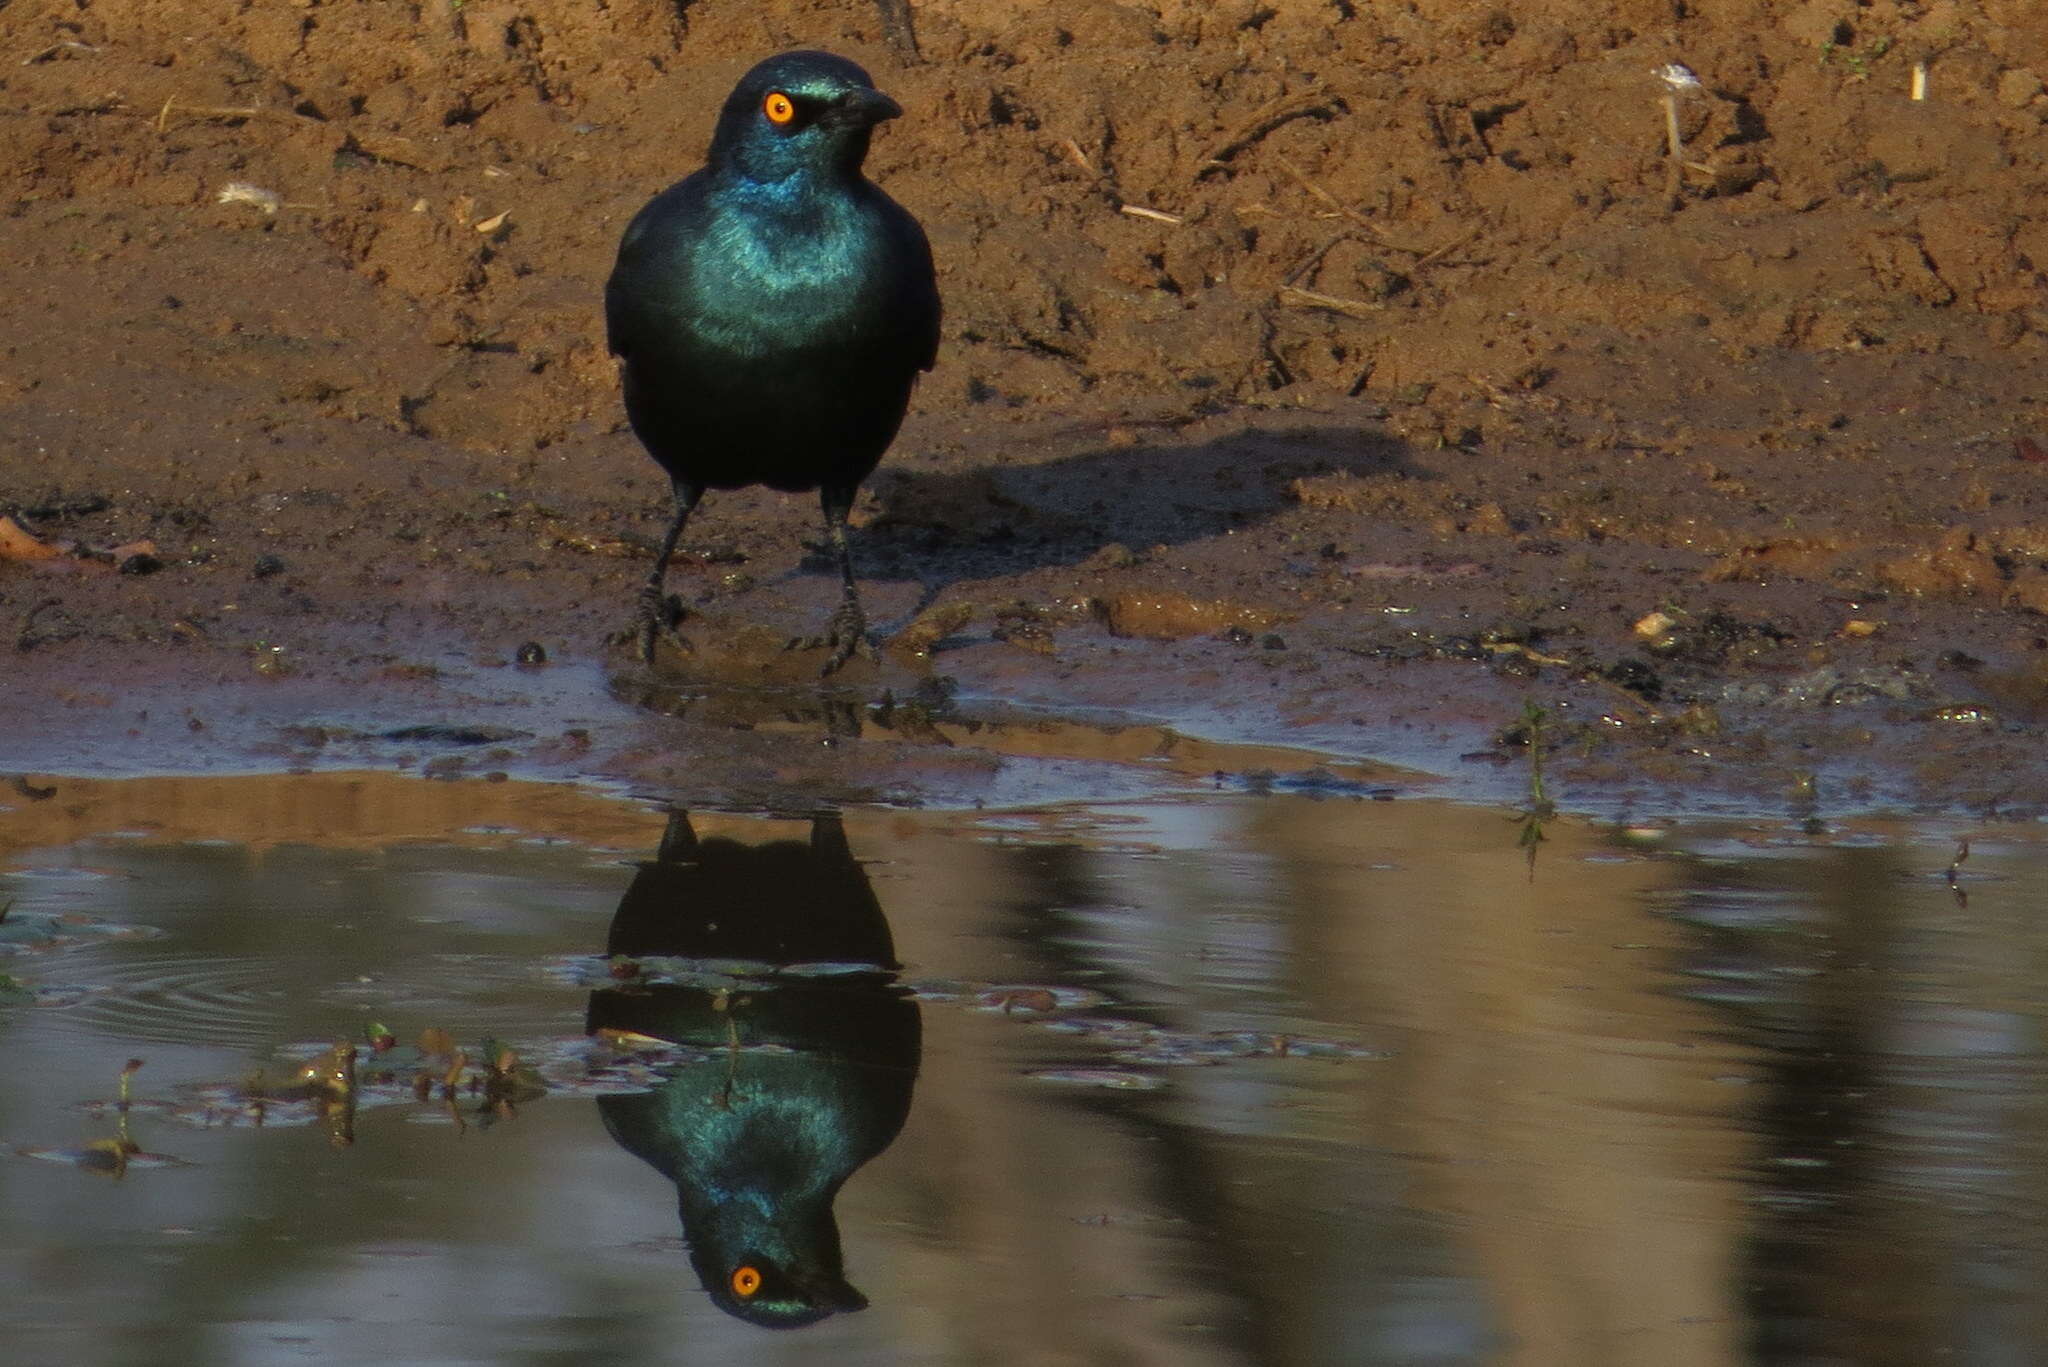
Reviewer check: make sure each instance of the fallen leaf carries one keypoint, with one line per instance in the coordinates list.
(242, 192)
(19, 543)
(1654, 624)
(629, 1039)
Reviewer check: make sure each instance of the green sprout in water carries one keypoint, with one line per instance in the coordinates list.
(128, 1072)
(1540, 808)
(12, 989)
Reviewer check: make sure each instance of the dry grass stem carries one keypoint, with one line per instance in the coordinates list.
(224, 111)
(1315, 258)
(1293, 296)
(1156, 215)
(1440, 253)
(1272, 115)
(1301, 178)
(68, 45)
(1424, 255)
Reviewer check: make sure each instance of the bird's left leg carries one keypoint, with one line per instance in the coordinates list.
(848, 631)
(654, 610)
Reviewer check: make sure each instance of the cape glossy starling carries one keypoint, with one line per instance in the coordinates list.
(772, 311)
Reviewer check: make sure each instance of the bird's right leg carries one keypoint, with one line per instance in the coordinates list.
(654, 614)
(848, 632)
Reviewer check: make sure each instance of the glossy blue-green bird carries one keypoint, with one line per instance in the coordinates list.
(773, 311)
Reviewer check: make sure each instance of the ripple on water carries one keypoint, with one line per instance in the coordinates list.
(184, 999)
(1722, 907)
(153, 997)
(244, 1002)
(31, 932)
(454, 990)
(60, 873)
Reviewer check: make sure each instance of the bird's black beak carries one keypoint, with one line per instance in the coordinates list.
(865, 108)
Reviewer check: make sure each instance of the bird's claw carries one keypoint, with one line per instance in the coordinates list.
(659, 614)
(845, 635)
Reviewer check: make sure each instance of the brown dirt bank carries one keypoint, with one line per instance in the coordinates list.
(1423, 379)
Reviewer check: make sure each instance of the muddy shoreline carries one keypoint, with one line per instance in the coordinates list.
(1426, 404)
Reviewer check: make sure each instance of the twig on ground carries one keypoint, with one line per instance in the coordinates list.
(1294, 296)
(1424, 255)
(1286, 109)
(225, 111)
(1301, 178)
(67, 45)
(1315, 258)
(1156, 215)
(1441, 252)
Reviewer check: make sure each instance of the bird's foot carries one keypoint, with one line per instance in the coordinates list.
(845, 635)
(660, 614)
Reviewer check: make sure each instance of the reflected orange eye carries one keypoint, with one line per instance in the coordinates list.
(778, 107)
(747, 1280)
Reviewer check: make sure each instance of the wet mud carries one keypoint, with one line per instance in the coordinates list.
(1330, 378)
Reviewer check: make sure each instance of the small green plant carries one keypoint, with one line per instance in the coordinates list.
(1858, 62)
(128, 1071)
(1539, 809)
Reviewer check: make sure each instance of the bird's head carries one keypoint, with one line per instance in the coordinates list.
(796, 112)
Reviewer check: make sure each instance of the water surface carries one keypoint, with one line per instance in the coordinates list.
(1246, 1080)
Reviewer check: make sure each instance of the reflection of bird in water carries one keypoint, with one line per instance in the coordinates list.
(772, 311)
(759, 1143)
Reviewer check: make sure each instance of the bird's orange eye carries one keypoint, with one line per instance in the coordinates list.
(778, 107)
(747, 1280)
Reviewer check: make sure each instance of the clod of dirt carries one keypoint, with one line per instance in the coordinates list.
(934, 625)
(1175, 616)
(1638, 678)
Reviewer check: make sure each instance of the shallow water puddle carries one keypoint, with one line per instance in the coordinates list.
(1256, 1079)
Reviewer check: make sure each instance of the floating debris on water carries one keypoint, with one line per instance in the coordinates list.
(35, 932)
(1113, 1078)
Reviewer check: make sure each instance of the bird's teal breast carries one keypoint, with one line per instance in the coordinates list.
(774, 270)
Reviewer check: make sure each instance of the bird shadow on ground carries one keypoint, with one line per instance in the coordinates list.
(1002, 518)
(998, 519)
